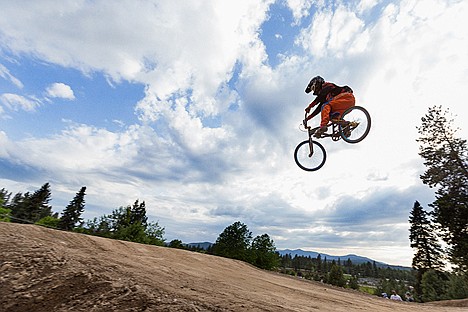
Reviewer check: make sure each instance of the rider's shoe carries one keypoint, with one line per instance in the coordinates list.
(320, 131)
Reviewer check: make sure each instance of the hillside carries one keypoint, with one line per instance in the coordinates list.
(49, 270)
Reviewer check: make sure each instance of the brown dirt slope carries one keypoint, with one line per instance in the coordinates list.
(49, 270)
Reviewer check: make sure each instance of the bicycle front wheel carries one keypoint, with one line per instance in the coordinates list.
(310, 160)
(356, 126)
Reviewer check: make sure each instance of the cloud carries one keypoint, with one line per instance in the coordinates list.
(17, 102)
(5, 74)
(60, 90)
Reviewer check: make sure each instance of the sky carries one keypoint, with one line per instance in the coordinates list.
(194, 107)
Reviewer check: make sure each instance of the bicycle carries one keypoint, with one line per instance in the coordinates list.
(352, 127)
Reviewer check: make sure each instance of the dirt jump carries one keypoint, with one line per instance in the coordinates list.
(43, 269)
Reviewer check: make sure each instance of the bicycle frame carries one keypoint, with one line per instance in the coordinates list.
(334, 123)
(313, 157)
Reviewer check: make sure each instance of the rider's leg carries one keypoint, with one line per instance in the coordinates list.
(325, 114)
(342, 102)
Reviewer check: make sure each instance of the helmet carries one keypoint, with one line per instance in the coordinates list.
(315, 85)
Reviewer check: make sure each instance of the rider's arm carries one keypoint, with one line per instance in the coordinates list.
(314, 102)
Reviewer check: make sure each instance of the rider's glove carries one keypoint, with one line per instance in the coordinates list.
(307, 109)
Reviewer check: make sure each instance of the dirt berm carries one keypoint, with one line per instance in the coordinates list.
(49, 270)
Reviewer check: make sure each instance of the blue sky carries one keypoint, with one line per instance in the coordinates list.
(194, 108)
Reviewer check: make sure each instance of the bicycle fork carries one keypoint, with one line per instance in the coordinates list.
(311, 144)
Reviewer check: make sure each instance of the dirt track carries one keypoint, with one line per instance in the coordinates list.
(49, 270)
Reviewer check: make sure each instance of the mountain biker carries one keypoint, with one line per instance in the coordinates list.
(333, 100)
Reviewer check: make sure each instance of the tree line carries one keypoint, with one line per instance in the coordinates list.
(126, 223)
(130, 223)
(441, 270)
(347, 274)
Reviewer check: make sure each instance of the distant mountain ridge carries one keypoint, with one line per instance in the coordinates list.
(313, 254)
(354, 258)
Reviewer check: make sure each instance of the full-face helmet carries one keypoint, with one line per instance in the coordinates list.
(315, 85)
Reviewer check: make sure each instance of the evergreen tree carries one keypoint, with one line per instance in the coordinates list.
(5, 213)
(457, 286)
(446, 159)
(39, 204)
(234, 242)
(335, 276)
(264, 252)
(353, 282)
(19, 208)
(4, 197)
(72, 213)
(428, 253)
(176, 243)
(138, 213)
(434, 286)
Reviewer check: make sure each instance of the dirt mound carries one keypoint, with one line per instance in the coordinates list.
(49, 270)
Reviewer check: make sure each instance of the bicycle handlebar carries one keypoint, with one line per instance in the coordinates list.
(304, 122)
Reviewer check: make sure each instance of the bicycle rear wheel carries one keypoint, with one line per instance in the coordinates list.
(356, 126)
(313, 162)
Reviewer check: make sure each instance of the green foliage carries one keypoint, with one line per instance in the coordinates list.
(422, 237)
(457, 286)
(335, 276)
(176, 243)
(72, 213)
(387, 285)
(446, 159)
(353, 282)
(428, 252)
(154, 234)
(49, 221)
(30, 208)
(234, 242)
(5, 214)
(126, 223)
(264, 253)
(434, 286)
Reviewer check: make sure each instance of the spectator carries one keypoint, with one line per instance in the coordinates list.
(409, 297)
(395, 296)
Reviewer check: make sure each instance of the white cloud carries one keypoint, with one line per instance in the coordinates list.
(5, 74)
(300, 8)
(333, 33)
(60, 90)
(17, 102)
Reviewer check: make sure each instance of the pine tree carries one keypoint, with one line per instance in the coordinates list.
(138, 213)
(335, 276)
(4, 197)
(446, 159)
(428, 252)
(434, 286)
(18, 207)
(39, 204)
(5, 213)
(72, 213)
